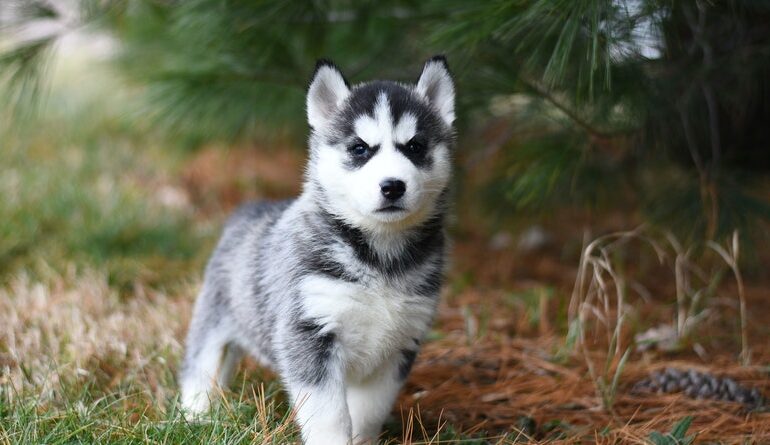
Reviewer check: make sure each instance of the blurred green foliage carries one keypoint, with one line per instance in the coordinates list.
(649, 105)
(72, 190)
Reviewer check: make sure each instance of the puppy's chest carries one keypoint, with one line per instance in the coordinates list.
(371, 323)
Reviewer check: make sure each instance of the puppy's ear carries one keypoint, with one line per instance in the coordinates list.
(437, 86)
(328, 88)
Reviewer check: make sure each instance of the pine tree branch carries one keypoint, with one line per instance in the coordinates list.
(692, 145)
(699, 38)
(26, 49)
(716, 146)
(571, 114)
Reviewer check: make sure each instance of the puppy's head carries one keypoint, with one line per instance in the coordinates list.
(380, 151)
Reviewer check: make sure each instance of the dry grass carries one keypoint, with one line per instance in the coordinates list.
(76, 328)
(78, 363)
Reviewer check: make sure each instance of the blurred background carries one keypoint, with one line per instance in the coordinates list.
(612, 202)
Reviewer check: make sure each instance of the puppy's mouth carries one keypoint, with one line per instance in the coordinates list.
(391, 209)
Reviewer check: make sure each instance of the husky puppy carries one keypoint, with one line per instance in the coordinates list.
(336, 289)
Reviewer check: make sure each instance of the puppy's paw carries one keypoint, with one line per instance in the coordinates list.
(195, 406)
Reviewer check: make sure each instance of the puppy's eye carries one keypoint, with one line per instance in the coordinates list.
(415, 146)
(358, 149)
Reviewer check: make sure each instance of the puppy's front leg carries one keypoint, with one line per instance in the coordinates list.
(371, 400)
(314, 376)
(322, 413)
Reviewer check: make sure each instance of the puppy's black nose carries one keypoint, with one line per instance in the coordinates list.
(392, 189)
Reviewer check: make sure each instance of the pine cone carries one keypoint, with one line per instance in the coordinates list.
(700, 385)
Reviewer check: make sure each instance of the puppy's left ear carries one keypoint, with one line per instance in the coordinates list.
(437, 86)
(327, 90)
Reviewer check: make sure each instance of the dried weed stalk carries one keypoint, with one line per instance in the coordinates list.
(730, 256)
(599, 302)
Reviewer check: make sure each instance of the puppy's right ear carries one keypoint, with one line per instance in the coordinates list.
(328, 89)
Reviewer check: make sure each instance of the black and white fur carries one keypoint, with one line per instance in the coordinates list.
(336, 289)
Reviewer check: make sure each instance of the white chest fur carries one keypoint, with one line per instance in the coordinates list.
(371, 323)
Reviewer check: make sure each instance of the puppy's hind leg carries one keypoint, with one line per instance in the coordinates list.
(229, 365)
(210, 357)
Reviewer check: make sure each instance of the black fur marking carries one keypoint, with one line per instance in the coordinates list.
(407, 360)
(431, 285)
(312, 348)
(320, 262)
(317, 256)
(361, 102)
(429, 124)
(418, 156)
(350, 235)
(422, 241)
(440, 58)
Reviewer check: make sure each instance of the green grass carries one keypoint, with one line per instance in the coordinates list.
(83, 212)
(126, 417)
